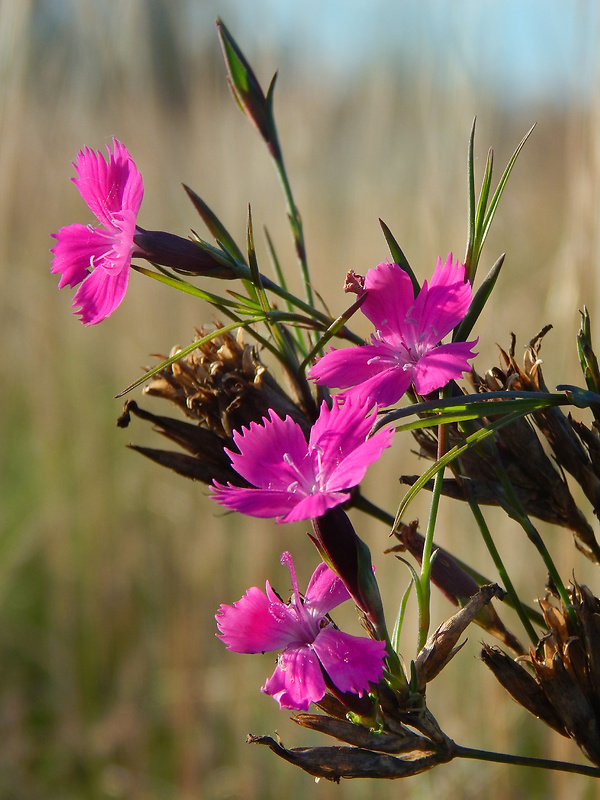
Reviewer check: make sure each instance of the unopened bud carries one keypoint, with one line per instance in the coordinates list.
(246, 88)
(182, 255)
(350, 557)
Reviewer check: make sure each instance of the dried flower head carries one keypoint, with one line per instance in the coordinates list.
(221, 387)
(559, 681)
(522, 446)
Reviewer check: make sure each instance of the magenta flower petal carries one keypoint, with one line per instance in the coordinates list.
(296, 479)
(339, 437)
(267, 452)
(298, 679)
(342, 369)
(384, 389)
(250, 626)
(353, 468)
(338, 431)
(76, 248)
(442, 304)
(314, 505)
(99, 258)
(389, 297)
(441, 364)
(99, 294)
(405, 347)
(324, 592)
(352, 662)
(108, 187)
(264, 503)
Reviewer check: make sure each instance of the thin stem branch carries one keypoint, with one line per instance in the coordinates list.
(426, 559)
(515, 602)
(526, 761)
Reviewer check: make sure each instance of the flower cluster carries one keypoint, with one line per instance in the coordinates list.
(290, 475)
(301, 454)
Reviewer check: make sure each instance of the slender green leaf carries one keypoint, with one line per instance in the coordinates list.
(214, 225)
(441, 463)
(472, 406)
(398, 256)
(246, 302)
(183, 286)
(414, 581)
(478, 302)
(471, 201)
(500, 188)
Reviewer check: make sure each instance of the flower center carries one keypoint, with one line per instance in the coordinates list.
(304, 480)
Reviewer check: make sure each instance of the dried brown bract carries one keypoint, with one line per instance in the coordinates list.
(220, 387)
(559, 681)
(529, 450)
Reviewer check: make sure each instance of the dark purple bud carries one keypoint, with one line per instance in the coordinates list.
(182, 255)
(350, 557)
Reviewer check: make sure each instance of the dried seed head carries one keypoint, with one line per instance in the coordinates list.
(559, 681)
(541, 488)
(222, 386)
(443, 645)
(334, 763)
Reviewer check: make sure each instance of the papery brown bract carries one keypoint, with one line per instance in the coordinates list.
(559, 681)
(220, 387)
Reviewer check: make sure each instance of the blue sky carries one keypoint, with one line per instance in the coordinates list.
(522, 50)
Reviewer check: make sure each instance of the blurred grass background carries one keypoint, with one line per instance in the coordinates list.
(113, 684)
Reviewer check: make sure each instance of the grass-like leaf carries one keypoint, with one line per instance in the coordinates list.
(471, 406)
(399, 257)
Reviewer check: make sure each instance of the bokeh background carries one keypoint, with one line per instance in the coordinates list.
(112, 683)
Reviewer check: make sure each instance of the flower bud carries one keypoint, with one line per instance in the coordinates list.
(246, 88)
(182, 255)
(350, 557)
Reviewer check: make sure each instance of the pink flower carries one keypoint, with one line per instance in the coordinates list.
(99, 258)
(296, 479)
(261, 622)
(405, 347)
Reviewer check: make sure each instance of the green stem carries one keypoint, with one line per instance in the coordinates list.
(426, 560)
(208, 297)
(518, 512)
(244, 272)
(499, 564)
(526, 761)
(294, 219)
(367, 507)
